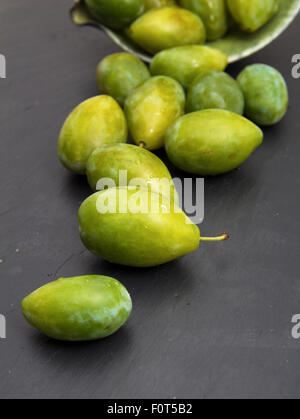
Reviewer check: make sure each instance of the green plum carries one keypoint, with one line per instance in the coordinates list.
(152, 4)
(78, 309)
(266, 94)
(211, 142)
(133, 227)
(119, 74)
(152, 108)
(116, 14)
(167, 27)
(215, 90)
(112, 162)
(97, 121)
(185, 63)
(251, 15)
(213, 14)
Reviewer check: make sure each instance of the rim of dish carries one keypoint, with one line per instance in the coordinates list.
(147, 58)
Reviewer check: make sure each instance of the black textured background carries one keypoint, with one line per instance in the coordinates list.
(216, 323)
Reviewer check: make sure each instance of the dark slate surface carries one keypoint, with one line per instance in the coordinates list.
(216, 323)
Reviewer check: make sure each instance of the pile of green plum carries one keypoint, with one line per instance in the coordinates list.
(184, 102)
(155, 25)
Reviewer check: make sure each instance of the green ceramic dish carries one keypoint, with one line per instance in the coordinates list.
(236, 44)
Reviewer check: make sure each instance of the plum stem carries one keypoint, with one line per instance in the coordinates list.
(224, 236)
(142, 144)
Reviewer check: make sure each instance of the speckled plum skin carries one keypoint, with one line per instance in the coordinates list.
(116, 14)
(167, 27)
(184, 64)
(152, 108)
(266, 94)
(211, 142)
(129, 237)
(109, 161)
(213, 14)
(251, 15)
(119, 74)
(96, 122)
(215, 90)
(153, 4)
(78, 309)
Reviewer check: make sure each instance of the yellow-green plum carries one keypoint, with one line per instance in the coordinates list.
(211, 142)
(251, 15)
(82, 308)
(97, 121)
(144, 233)
(119, 74)
(152, 108)
(215, 90)
(185, 63)
(167, 27)
(124, 164)
(266, 94)
(134, 227)
(116, 14)
(213, 14)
